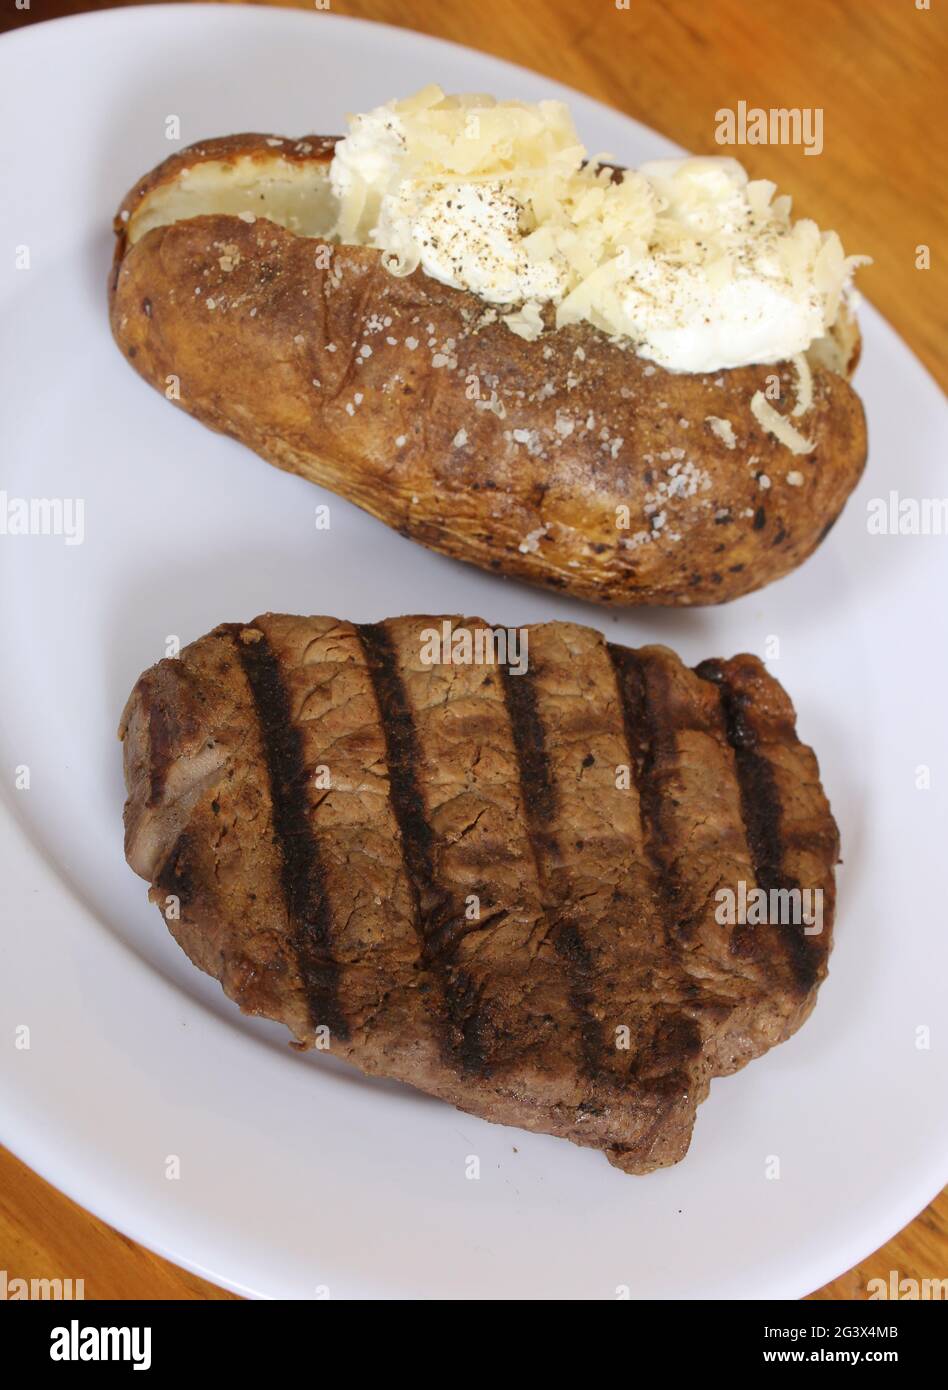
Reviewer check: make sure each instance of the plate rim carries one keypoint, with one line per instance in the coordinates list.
(53, 1166)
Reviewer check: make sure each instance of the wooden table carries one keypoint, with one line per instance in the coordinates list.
(875, 67)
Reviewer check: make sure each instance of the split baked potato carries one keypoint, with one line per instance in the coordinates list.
(568, 460)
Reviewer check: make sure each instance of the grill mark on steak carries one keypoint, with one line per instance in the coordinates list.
(161, 736)
(462, 1038)
(403, 756)
(529, 736)
(175, 877)
(645, 734)
(761, 812)
(540, 803)
(301, 874)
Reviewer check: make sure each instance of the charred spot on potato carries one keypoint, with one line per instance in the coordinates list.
(133, 351)
(780, 536)
(760, 519)
(735, 569)
(827, 528)
(723, 518)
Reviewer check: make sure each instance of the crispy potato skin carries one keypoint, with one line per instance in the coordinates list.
(568, 461)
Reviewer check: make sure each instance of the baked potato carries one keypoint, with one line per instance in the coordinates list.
(566, 460)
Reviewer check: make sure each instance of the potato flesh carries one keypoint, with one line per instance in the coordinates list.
(298, 197)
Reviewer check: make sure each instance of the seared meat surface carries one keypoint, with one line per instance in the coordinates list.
(505, 889)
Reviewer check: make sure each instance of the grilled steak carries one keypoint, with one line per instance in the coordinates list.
(519, 892)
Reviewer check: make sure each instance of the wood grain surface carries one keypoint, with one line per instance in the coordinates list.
(876, 68)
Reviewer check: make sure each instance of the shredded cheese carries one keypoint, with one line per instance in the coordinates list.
(804, 385)
(779, 426)
(688, 261)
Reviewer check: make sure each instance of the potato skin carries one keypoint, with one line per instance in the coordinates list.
(568, 461)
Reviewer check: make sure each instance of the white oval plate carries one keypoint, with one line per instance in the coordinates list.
(297, 1175)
